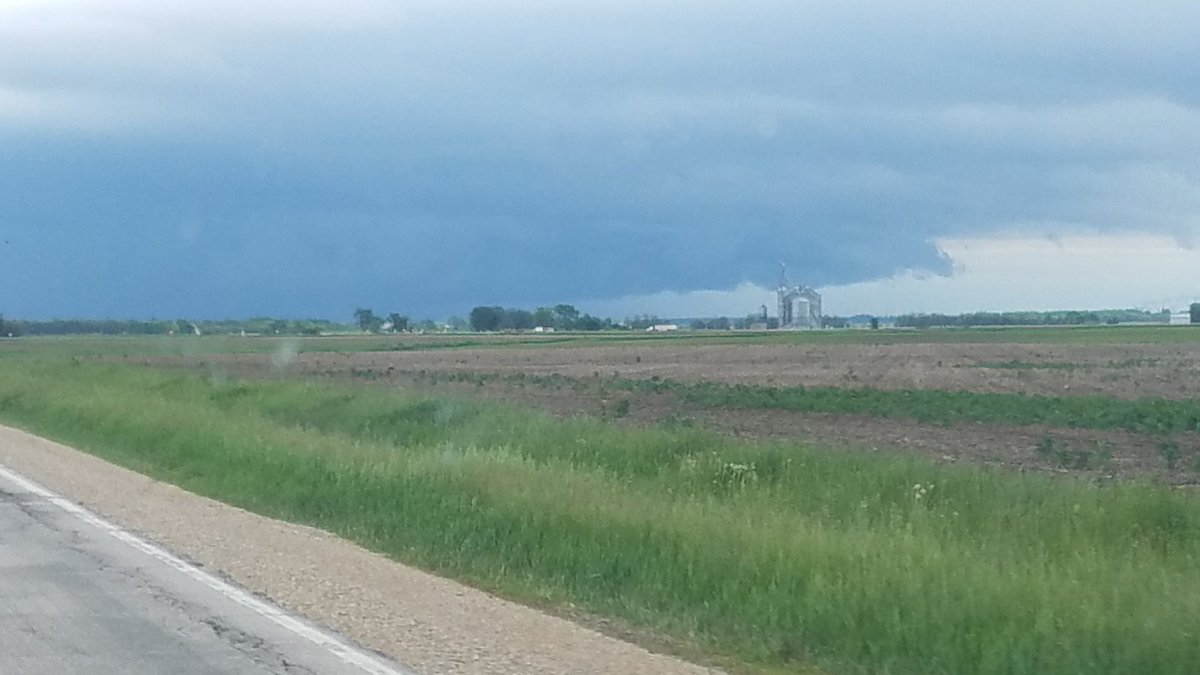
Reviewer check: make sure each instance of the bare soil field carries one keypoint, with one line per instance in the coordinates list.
(1102, 454)
(1126, 372)
(1170, 371)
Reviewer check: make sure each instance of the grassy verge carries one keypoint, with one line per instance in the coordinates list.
(778, 556)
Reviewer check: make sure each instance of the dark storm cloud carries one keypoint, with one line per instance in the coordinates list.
(302, 159)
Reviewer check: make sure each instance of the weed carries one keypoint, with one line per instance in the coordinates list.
(921, 492)
(1045, 447)
(621, 409)
(735, 476)
(1066, 457)
(1103, 454)
(1169, 451)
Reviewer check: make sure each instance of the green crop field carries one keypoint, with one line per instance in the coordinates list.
(781, 557)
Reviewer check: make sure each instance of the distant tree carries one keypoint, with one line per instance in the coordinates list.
(1194, 311)
(589, 322)
(399, 322)
(486, 319)
(565, 317)
(457, 323)
(366, 320)
(307, 328)
(516, 319)
(1060, 318)
(543, 316)
(643, 321)
(719, 323)
(280, 327)
(750, 321)
(874, 323)
(699, 324)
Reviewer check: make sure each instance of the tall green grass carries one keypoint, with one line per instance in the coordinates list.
(781, 556)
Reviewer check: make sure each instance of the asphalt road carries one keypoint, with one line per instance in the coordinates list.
(79, 595)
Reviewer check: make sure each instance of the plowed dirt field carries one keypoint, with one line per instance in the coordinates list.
(1124, 372)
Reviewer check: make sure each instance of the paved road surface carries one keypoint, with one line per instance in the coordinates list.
(78, 595)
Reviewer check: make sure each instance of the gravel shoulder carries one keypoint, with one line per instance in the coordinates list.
(431, 624)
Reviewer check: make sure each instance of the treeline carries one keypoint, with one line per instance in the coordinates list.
(567, 318)
(558, 317)
(756, 321)
(1059, 318)
(267, 326)
(257, 326)
(369, 322)
(17, 327)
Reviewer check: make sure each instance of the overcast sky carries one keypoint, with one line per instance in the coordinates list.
(228, 158)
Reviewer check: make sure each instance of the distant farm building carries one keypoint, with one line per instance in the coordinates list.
(1180, 318)
(662, 328)
(799, 306)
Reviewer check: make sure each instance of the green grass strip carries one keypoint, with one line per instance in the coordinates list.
(781, 556)
(1148, 415)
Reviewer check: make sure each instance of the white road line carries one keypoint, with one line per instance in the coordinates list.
(345, 652)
